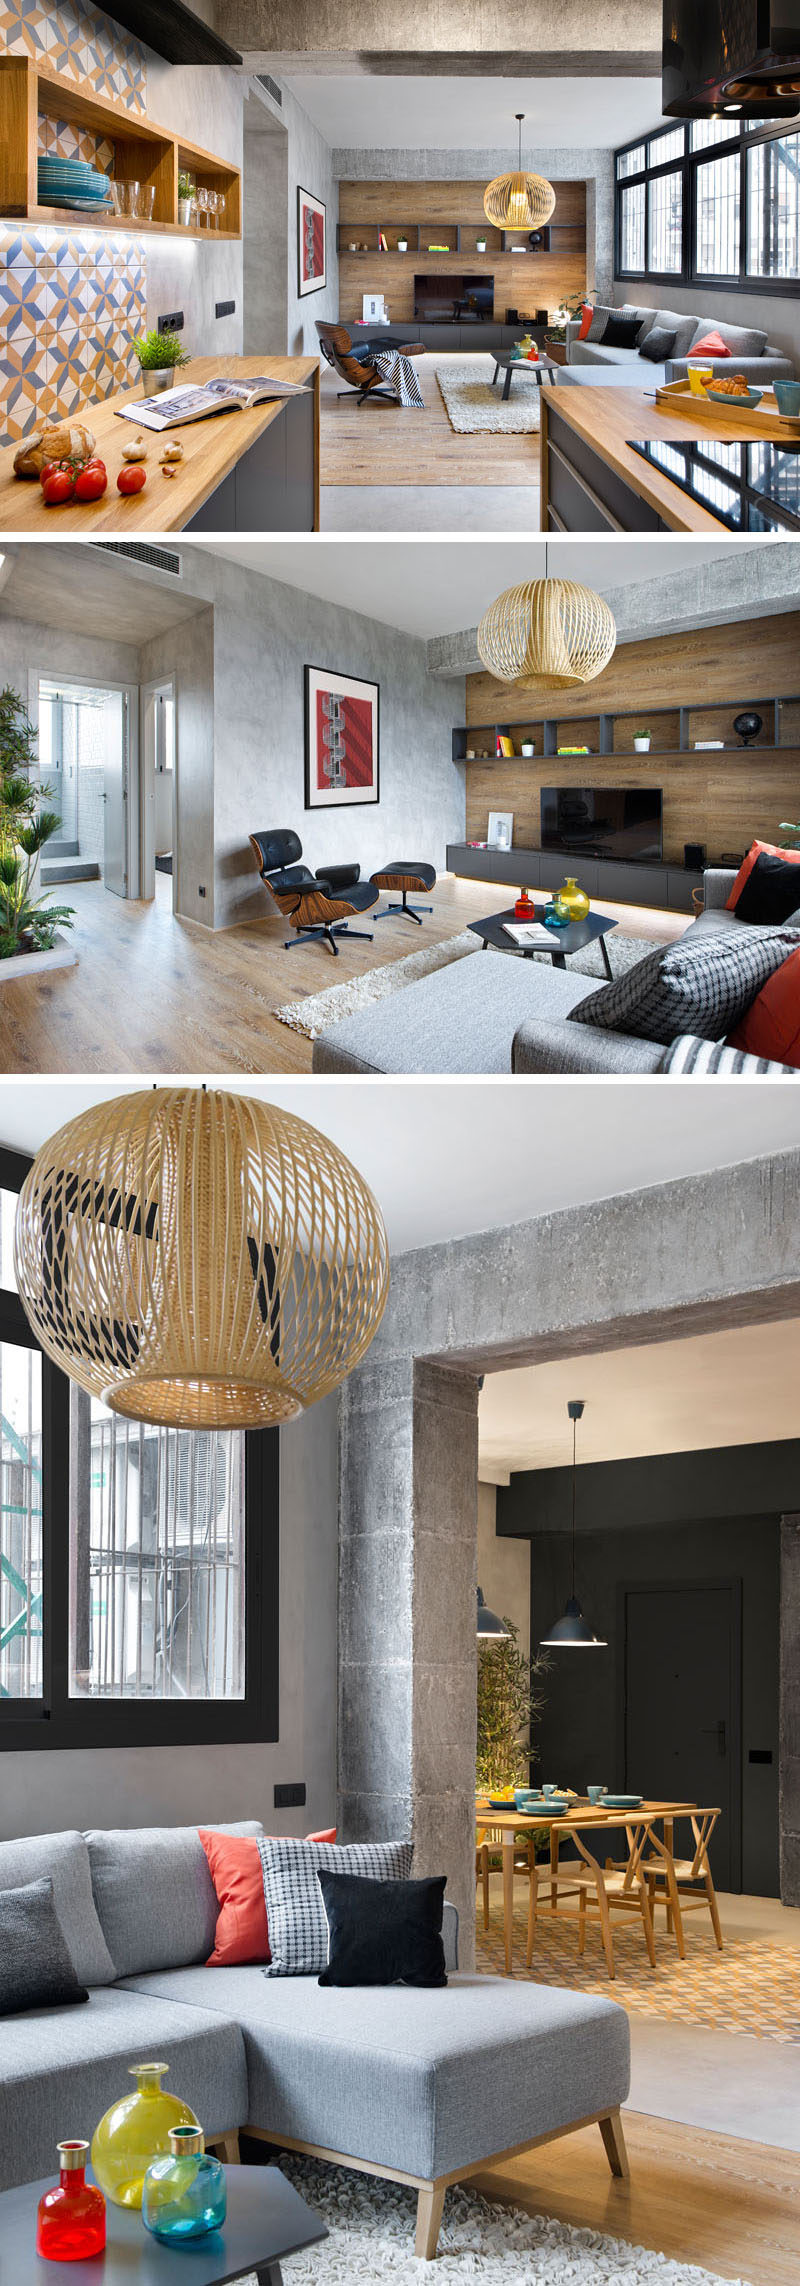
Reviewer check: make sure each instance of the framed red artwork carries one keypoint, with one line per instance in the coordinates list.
(342, 740)
(312, 252)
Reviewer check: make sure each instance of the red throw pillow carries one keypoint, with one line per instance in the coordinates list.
(235, 1867)
(712, 345)
(587, 313)
(772, 1026)
(759, 849)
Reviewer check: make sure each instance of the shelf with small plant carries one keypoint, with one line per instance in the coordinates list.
(143, 154)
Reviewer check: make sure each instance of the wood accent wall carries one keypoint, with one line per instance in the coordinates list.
(722, 799)
(526, 282)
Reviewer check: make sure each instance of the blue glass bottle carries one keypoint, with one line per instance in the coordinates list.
(184, 2195)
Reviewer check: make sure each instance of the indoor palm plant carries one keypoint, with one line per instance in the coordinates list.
(27, 923)
(509, 1700)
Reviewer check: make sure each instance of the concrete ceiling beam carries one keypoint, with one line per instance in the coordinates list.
(451, 36)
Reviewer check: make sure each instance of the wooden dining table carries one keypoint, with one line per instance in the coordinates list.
(583, 1817)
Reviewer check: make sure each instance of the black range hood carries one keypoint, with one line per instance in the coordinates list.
(173, 31)
(740, 57)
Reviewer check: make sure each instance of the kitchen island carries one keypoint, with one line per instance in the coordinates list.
(593, 481)
(255, 470)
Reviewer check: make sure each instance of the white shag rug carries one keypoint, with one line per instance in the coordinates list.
(321, 1010)
(371, 2235)
(472, 404)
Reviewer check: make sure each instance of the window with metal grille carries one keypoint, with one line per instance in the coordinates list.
(664, 224)
(138, 1565)
(717, 201)
(632, 217)
(773, 209)
(717, 219)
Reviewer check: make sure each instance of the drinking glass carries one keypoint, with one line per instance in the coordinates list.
(201, 195)
(147, 197)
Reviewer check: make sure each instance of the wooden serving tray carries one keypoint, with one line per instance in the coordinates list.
(677, 397)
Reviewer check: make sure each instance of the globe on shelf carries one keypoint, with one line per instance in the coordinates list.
(747, 727)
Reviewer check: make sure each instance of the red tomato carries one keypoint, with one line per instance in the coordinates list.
(91, 481)
(58, 486)
(55, 467)
(132, 478)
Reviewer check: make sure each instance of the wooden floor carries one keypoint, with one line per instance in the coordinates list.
(152, 994)
(382, 444)
(731, 2207)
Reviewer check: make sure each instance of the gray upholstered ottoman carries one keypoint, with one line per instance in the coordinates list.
(462, 1018)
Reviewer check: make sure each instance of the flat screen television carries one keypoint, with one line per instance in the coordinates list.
(624, 822)
(464, 299)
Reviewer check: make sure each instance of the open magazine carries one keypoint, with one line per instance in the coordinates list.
(194, 403)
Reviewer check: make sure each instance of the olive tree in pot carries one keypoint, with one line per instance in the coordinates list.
(28, 924)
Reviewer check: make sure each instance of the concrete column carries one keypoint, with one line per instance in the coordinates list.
(407, 1554)
(789, 1715)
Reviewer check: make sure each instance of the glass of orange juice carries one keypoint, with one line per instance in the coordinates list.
(699, 377)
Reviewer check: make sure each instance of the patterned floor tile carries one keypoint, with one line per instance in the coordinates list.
(751, 1987)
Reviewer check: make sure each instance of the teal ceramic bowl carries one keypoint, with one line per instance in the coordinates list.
(720, 397)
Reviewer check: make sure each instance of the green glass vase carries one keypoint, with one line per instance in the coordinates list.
(135, 2131)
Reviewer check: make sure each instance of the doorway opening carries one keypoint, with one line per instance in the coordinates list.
(87, 758)
(159, 746)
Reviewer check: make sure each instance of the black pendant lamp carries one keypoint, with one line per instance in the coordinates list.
(490, 1628)
(737, 58)
(573, 1632)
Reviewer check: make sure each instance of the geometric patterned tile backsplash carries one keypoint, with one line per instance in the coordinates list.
(70, 299)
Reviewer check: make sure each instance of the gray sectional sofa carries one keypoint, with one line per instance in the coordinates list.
(427, 2085)
(751, 353)
(495, 1013)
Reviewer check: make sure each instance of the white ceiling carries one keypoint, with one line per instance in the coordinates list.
(437, 587)
(386, 112)
(741, 1386)
(450, 1157)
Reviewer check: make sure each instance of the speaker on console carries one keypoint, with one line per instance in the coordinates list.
(694, 856)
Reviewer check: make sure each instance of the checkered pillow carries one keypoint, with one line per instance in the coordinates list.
(703, 984)
(296, 1918)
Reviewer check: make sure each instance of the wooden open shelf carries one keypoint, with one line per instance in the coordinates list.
(609, 736)
(142, 153)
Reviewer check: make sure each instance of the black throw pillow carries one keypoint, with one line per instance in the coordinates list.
(383, 1932)
(621, 332)
(36, 1967)
(658, 345)
(771, 891)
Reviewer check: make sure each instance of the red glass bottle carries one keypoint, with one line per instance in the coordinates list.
(71, 2221)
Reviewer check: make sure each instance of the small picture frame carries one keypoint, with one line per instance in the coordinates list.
(312, 243)
(501, 829)
(342, 740)
(373, 309)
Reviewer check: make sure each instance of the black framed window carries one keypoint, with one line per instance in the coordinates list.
(715, 202)
(138, 1565)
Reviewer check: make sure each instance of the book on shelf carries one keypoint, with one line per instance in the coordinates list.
(531, 936)
(194, 402)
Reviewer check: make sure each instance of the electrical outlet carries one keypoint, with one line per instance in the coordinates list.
(171, 324)
(224, 309)
(289, 1797)
(201, 889)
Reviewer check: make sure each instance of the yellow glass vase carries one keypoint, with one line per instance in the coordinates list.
(134, 2132)
(575, 898)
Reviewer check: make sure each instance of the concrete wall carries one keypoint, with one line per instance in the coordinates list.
(206, 107)
(564, 164)
(173, 1785)
(624, 37)
(187, 652)
(266, 229)
(504, 1568)
(309, 165)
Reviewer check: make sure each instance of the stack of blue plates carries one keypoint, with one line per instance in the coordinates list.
(72, 182)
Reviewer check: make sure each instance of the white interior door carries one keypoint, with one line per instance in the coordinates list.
(115, 793)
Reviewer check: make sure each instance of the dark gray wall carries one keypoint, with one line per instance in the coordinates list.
(673, 1518)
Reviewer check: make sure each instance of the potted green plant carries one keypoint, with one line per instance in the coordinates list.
(27, 923)
(641, 742)
(159, 354)
(185, 199)
(509, 1699)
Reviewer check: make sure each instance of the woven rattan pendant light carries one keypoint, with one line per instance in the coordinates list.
(549, 634)
(520, 201)
(200, 1259)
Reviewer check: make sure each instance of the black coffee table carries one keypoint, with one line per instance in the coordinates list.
(543, 368)
(572, 939)
(266, 2220)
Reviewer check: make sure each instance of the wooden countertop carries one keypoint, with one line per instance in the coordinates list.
(606, 418)
(211, 449)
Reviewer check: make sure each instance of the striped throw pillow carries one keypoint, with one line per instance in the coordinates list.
(690, 1058)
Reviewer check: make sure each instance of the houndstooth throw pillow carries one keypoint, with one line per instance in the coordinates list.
(703, 984)
(296, 1917)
